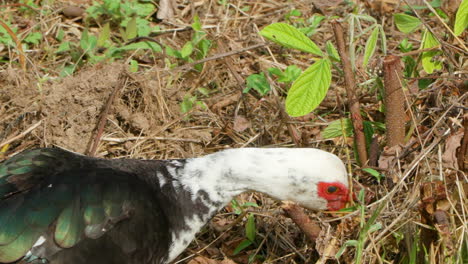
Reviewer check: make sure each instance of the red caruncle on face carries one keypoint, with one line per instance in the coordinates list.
(336, 194)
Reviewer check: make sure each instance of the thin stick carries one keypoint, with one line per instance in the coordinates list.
(219, 56)
(22, 57)
(22, 134)
(353, 102)
(94, 142)
(121, 140)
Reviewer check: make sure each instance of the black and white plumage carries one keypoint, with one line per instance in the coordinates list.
(62, 207)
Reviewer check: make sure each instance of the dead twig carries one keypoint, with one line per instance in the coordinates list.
(94, 142)
(353, 102)
(300, 218)
(22, 57)
(219, 56)
(463, 150)
(121, 140)
(21, 135)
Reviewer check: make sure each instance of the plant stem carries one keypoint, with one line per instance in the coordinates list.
(353, 101)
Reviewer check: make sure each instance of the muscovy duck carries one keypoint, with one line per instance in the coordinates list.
(61, 207)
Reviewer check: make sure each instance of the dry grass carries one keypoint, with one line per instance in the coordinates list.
(39, 109)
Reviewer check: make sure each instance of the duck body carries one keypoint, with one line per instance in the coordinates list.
(61, 207)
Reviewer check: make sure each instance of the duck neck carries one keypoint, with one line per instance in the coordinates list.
(203, 186)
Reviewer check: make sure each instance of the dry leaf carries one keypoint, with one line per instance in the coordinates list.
(227, 261)
(241, 123)
(166, 9)
(449, 158)
(387, 156)
(202, 260)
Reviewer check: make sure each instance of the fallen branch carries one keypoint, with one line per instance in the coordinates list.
(300, 218)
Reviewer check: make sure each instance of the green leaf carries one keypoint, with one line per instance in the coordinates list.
(143, 9)
(33, 38)
(133, 66)
(309, 90)
(252, 204)
(87, 42)
(332, 52)
(203, 47)
(60, 35)
(335, 128)
(349, 243)
(250, 230)
(242, 245)
(173, 52)
(64, 46)
(67, 70)
(141, 45)
(291, 73)
(259, 83)
(368, 132)
(104, 36)
(370, 46)
(405, 45)
(187, 103)
(461, 19)
(374, 227)
(290, 37)
(383, 40)
(372, 172)
(196, 25)
(204, 91)
(186, 50)
(429, 41)
(143, 27)
(237, 208)
(131, 29)
(406, 23)
(275, 71)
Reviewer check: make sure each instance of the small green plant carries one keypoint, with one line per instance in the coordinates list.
(120, 13)
(357, 31)
(378, 176)
(289, 75)
(250, 228)
(344, 128)
(408, 24)
(191, 101)
(195, 49)
(366, 227)
(307, 26)
(311, 86)
(258, 82)
(94, 49)
(409, 62)
(250, 235)
(240, 208)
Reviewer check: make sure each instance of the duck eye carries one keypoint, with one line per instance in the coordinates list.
(332, 189)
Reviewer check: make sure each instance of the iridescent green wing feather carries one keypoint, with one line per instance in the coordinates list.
(51, 189)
